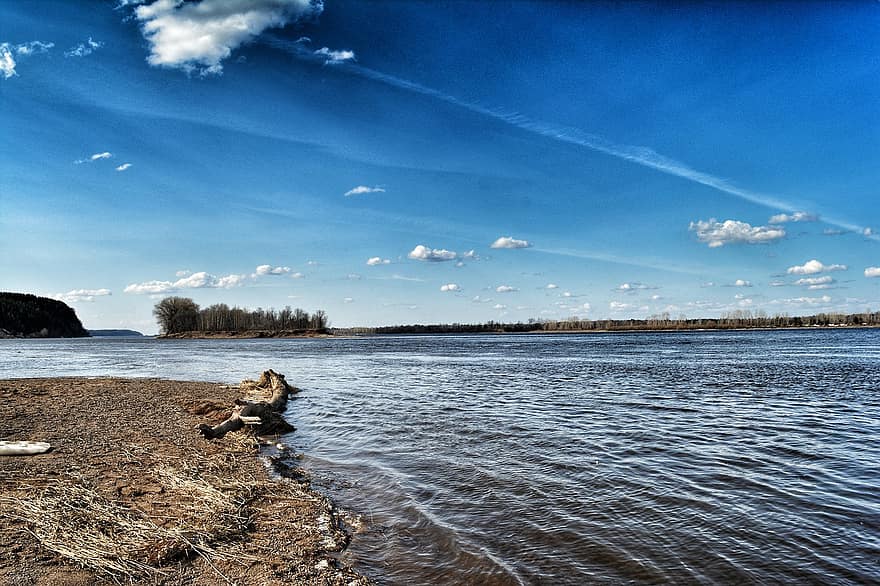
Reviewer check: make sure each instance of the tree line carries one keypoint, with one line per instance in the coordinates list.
(29, 316)
(181, 314)
(740, 319)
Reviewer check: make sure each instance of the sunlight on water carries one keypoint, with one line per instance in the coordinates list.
(692, 457)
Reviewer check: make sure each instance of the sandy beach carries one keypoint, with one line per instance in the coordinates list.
(130, 491)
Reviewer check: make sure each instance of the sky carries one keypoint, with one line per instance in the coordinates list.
(427, 162)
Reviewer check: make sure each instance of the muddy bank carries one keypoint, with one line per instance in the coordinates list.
(131, 492)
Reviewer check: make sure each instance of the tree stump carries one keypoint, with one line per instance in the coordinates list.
(265, 416)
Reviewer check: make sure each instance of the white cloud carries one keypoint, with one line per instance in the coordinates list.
(350, 277)
(656, 297)
(551, 286)
(377, 260)
(742, 283)
(8, 52)
(348, 300)
(200, 35)
(872, 272)
(183, 273)
(868, 232)
(124, 167)
(270, 270)
(505, 289)
(566, 293)
(618, 306)
(298, 275)
(811, 267)
(633, 287)
(424, 253)
(510, 242)
(587, 306)
(84, 49)
(200, 280)
(805, 300)
(95, 157)
(815, 282)
(7, 61)
(335, 56)
(33, 48)
(716, 234)
(77, 295)
(470, 254)
(478, 299)
(499, 306)
(450, 287)
(793, 217)
(362, 189)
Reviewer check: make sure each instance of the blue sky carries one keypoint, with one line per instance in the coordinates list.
(409, 162)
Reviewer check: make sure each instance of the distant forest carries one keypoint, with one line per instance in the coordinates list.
(733, 320)
(180, 314)
(27, 316)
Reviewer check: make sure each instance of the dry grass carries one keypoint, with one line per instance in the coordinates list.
(116, 540)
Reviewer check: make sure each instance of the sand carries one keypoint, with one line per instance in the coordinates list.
(131, 493)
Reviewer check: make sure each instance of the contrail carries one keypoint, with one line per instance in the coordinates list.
(639, 155)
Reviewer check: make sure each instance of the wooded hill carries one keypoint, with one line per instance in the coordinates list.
(27, 316)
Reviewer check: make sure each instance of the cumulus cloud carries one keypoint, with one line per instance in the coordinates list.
(793, 217)
(510, 242)
(298, 275)
(742, 283)
(124, 167)
(335, 56)
(200, 35)
(84, 49)
(424, 253)
(551, 286)
(811, 267)
(200, 280)
(815, 282)
(633, 287)
(377, 260)
(716, 234)
(362, 189)
(586, 306)
(871, 272)
(77, 295)
(450, 287)
(505, 289)
(499, 306)
(270, 270)
(619, 306)
(9, 51)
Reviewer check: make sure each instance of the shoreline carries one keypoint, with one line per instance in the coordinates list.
(130, 474)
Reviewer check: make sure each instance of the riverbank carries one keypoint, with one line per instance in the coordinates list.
(131, 492)
(234, 335)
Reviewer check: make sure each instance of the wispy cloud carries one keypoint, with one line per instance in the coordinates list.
(198, 36)
(793, 217)
(633, 287)
(717, 234)
(362, 189)
(639, 155)
(510, 242)
(124, 167)
(95, 157)
(8, 52)
(78, 295)
(84, 49)
(814, 283)
(812, 267)
(200, 280)
(335, 56)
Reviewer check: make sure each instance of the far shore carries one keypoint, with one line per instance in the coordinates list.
(245, 334)
(130, 491)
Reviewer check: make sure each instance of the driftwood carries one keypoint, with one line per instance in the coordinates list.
(265, 415)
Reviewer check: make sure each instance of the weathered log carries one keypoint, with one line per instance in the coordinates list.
(264, 416)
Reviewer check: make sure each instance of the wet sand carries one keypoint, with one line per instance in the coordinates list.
(131, 492)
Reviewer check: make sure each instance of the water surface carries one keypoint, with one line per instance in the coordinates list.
(562, 459)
